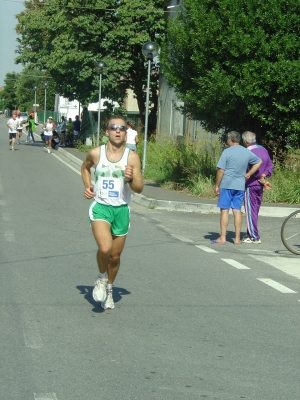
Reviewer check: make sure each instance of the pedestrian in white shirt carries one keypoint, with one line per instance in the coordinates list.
(131, 137)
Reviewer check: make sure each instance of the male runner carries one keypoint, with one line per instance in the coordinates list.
(12, 124)
(117, 172)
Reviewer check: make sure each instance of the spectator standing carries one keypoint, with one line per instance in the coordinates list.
(69, 131)
(131, 137)
(230, 183)
(255, 186)
(63, 129)
(76, 128)
(48, 133)
(19, 128)
(12, 124)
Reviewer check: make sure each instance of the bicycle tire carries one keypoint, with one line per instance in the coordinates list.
(290, 232)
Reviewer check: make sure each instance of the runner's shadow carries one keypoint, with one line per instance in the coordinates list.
(87, 292)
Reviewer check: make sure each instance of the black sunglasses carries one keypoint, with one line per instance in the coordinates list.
(115, 127)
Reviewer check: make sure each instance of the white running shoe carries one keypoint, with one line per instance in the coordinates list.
(48, 151)
(248, 240)
(12, 149)
(99, 292)
(108, 304)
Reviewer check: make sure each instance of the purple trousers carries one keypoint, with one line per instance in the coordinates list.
(252, 201)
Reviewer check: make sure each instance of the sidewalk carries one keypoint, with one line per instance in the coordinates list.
(155, 197)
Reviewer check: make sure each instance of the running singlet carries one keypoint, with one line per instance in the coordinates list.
(49, 129)
(111, 187)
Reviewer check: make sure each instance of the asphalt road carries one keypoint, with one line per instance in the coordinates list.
(192, 320)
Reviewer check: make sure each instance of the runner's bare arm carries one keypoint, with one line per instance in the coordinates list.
(90, 161)
(133, 173)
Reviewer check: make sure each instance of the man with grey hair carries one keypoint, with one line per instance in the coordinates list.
(230, 183)
(254, 187)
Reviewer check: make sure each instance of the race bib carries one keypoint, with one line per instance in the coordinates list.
(108, 188)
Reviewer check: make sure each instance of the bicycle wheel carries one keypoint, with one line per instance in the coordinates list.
(290, 232)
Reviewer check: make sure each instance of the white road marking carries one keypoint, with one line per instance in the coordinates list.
(182, 238)
(31, 334)
(234, 263)
(290, 266)
(163, 228)
(9, 236)
(45, 396)
(146, 219)
(74, 169)
(6, 217)
(276, 285)
(207, 249)
(68, 165)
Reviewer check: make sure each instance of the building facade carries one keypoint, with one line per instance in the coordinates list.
(171, 121)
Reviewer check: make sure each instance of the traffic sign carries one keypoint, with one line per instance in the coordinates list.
(35, 105)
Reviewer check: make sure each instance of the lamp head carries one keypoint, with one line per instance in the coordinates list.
(101, 65)
(35, 88)
(149, 50)
(46, 85)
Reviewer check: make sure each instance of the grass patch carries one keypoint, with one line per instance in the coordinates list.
(191, 167)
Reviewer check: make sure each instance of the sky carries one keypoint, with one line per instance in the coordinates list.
(8, 43)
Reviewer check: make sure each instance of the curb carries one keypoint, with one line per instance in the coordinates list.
(70, 156)
(265, 211)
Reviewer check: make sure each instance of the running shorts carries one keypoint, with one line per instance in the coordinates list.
(118, 217)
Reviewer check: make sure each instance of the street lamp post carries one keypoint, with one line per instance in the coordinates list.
(45, 102)
(100, 65)
(149, 50)
(2, 106)
(35, 89)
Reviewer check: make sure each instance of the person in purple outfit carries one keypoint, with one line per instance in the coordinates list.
(255, 186)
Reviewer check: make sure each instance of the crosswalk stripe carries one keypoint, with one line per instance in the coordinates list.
(290, 266)
(276, 285)
(45, 396)
(207, 249)
(182, 238)
(234, 263)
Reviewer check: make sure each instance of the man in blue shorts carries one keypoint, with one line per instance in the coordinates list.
(230, 183)
(117, 172)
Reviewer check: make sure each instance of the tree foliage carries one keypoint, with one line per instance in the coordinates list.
(18, 90)
(236, 64)
(67, 38)
(9, 92)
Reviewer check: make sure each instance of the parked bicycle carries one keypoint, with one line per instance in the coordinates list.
(290, 232)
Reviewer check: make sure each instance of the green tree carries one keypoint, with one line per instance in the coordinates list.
(29, 78)
(9, 92)
(236, 64)
(18, 89)
(68, 38)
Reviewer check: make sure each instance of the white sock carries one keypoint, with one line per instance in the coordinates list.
(109, 286)
(103, 276)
